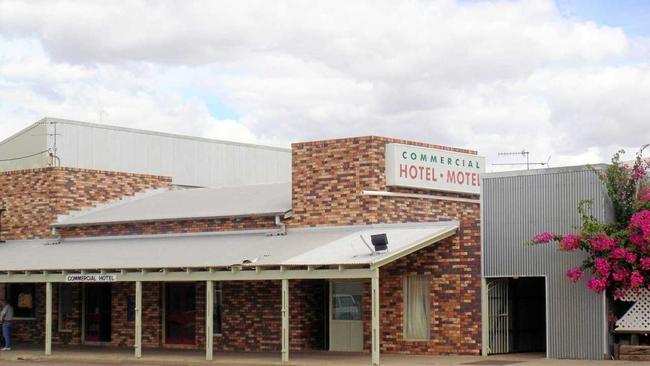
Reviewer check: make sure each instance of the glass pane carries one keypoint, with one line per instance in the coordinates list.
(347, 300)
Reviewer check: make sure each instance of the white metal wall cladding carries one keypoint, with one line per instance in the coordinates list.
(30, 141)
(190, 161)
(516, 207)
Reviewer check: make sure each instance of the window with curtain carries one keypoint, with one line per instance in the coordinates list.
(416, 307)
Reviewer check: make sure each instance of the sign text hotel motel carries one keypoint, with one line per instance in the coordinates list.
(434, 169)
(108, 277)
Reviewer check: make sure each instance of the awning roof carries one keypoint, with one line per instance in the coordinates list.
(299, 247)
(264, 199)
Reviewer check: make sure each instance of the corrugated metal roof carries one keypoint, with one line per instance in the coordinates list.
(308, 246)
(265, 199)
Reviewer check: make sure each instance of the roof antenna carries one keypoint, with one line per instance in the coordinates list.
(527, 155)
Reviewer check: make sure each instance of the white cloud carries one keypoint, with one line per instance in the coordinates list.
(496, 76)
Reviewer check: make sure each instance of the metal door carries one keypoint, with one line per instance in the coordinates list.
(180, 313)
(498, 316)
(346, 317)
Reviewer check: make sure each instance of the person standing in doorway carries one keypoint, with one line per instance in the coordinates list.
(6, 318)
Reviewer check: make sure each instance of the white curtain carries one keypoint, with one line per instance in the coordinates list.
(416, 307)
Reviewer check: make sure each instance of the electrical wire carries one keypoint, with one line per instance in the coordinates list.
(24, 157)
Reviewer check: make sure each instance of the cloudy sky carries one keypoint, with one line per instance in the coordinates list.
(569, 79)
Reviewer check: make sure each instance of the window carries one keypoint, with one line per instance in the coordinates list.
(130, 308)
(21, 297)
(217, 311)
(416, 307)
(347, 297)
(65, 306)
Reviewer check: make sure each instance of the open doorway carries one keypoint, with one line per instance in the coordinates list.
(517, 315)
(180, 313)
(97, 313)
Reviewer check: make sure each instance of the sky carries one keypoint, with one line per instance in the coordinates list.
(566, 80)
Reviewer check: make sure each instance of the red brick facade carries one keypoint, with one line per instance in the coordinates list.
(33, 198)
(328, 178)
(168, 227)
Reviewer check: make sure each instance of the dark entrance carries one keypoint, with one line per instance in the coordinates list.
(180, 313)
(98, 313)
(528, 320)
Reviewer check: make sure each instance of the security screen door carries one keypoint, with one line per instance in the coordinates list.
(180, 313)
(97, 313)
(498, 316)
(346, 310)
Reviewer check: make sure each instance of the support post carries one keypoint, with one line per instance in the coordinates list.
(285, 320)
(48, 318)
(138, 319)
(374, 285)
(209, 316)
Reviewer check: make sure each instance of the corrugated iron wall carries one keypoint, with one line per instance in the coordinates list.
(518, 205)
(188, 160)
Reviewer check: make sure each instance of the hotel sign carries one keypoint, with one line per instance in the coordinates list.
(434, 169)
(107, 277)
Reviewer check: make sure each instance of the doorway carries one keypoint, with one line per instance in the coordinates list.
(97, 310)
(516, 315)
(346, 316)
(180, 313)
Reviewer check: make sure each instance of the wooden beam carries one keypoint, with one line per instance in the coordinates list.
(157, 276)
(138, 319)
(209, 316)
(285, 320)
(374, 284)
(48, 318)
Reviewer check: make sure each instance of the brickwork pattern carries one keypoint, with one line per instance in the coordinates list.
(34, 197)
(169, 227)
(328, 178)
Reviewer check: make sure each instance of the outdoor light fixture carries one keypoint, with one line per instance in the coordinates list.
(380, 242)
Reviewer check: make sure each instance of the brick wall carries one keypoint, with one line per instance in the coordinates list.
(251, 319)
(167, 227)
(34, 197)
(328, 178)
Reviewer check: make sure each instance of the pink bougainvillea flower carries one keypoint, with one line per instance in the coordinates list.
(619, 274)
(636, 279)
(644, 195)
(640, 224)
(618, 253)
(630, 257)
(645, 263)
(575, 274)
(602, 267)
(597, 284)
(618, 294)
(570, 241)
(542, 238)
(638, 172)
(601, 242)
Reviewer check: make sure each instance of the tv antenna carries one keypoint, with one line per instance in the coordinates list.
(525, 154)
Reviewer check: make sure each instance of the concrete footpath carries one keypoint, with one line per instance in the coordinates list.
(106, 356)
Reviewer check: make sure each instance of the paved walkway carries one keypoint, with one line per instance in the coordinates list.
(79, 356)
